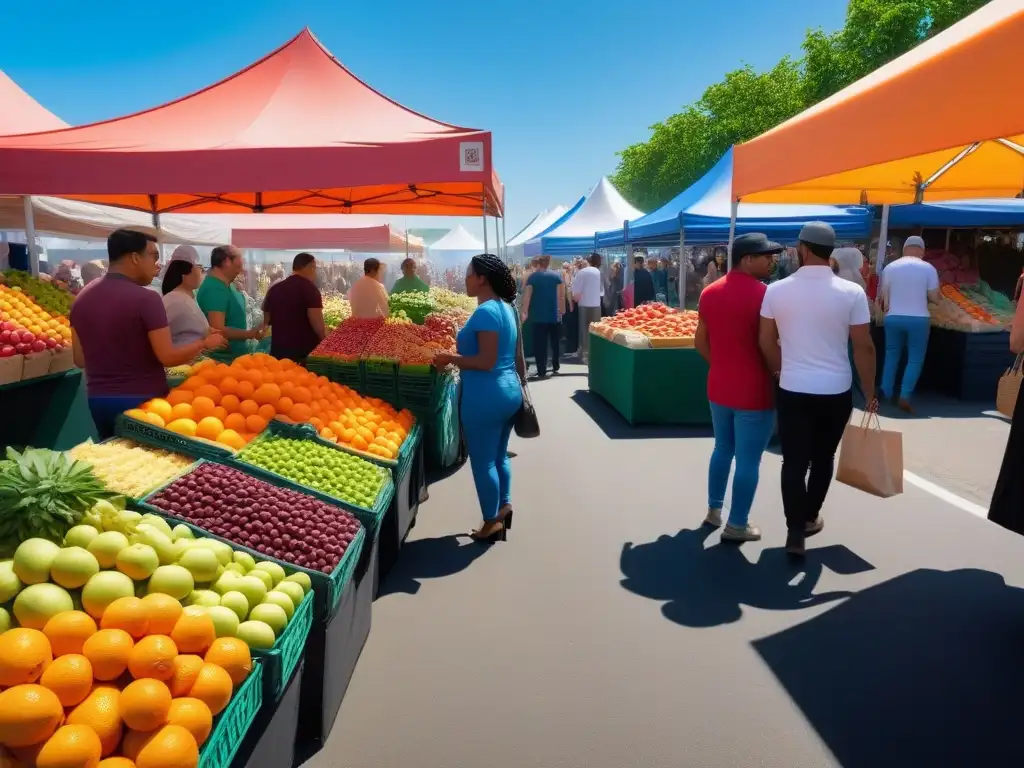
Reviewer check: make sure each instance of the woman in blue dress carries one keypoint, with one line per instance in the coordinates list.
(490, 356)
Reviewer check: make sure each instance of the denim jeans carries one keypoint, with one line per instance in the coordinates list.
(742, 435)
(910, 332)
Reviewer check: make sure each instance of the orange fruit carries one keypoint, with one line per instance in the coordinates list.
(72, 746)
(186, 669)
(127, 613)
(232, 655)
(101, 712)
(235, 421)
(209, 428)
(116, 762)
(300, 412)
(68, 631)
(164, 612)
(160, 407)
(145, 704)
(301, 395)
(24, 655)
(192, 383)
(220, 412)
(153, 657)
(29, 714)
(213, 686)
(327, 434)
(182, 411)
(134, 741)
(208, 391)
(194, 716)
(287, 387)
(248, 408)
(136, 413)
(255, 424)
(267, 412)
(155, 418)
(284, 404)
(230, 403)
(202, 406)
(70, 677)
(254, 377)
(180, 396)
(186, 427)
(170, 747)
(108, 651)
(228, 385)
(267, 394)
(194, 631)
(245, 389)
(231, 438)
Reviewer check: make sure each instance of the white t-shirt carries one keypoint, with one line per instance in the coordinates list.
(186, 320)
(814, 310)
(587, 285)
(905, 283)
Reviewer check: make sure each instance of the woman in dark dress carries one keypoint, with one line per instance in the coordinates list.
(1007, 508)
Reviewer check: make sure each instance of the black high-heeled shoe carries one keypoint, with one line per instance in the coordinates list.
(498, 535)
(507, 520)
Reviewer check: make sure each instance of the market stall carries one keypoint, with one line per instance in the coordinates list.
(515, 250)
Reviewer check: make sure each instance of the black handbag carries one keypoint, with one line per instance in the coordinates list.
(525, 424)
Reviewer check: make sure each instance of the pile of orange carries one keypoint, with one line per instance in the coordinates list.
(75, 694)
(231, 404)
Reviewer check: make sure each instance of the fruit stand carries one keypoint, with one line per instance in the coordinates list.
(643, 364)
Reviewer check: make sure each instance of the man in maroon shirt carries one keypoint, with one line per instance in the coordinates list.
(739, 383)
(294, 311)
(120, 334)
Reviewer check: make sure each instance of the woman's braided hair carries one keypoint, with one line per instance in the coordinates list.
(497, 274)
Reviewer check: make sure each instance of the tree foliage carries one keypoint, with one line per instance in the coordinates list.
(747, 103)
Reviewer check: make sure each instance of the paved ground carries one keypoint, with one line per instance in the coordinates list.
(610, 631)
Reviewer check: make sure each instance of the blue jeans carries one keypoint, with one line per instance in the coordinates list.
(487, 425)
(742, 435)
(910, 332)
(105, 410)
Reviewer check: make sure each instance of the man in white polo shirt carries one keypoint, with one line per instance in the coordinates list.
(807, 322)
(587, 290)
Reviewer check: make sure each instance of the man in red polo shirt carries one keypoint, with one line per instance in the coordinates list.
(740, 387)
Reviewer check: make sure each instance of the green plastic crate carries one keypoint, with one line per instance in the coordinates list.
(150, 434)
(442, 431)
(327, 587)
(417, 390)
(280, 661)
(234, 722)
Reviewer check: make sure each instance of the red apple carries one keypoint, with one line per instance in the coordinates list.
(22, 348)
(51, 343)
(8, 326)
(27, 337)
(38, 346)
(7, 351)
(5, 337)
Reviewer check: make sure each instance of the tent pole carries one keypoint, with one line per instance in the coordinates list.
(682, 269)
(30, 235)
(407, 237)
(883, 237)
(732, 231)
(485, 230)
(949, 236)
(159, 236)
(497, 238)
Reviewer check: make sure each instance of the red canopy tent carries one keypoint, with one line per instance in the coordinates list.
(295, 132)
(21, 113)
(366, 234)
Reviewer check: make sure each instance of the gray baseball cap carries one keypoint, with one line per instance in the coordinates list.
(818, 233)
(913, 240)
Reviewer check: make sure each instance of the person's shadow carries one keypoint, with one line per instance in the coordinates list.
(925, 669)
(708, 587)
(430, 559)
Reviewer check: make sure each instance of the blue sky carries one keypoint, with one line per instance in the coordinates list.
(562, 84)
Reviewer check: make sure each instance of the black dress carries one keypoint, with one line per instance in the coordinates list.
(1007, 507)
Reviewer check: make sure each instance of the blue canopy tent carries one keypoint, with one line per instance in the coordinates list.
(959, 213)
(573, 234)
(701, 215)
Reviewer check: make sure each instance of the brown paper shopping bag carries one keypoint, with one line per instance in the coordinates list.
(871, 458)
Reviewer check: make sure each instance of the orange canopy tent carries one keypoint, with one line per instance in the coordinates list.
(944, 121)
(295, 132)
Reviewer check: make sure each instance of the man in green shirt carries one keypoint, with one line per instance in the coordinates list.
(224, 305)
(409, 282)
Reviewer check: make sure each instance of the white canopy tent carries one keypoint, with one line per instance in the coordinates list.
(455, 248)
(603, 209)
(515, 248)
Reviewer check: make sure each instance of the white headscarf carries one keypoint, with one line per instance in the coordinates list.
(850, 261)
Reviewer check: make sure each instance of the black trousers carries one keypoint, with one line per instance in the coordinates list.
(546, 337)
(810, 430)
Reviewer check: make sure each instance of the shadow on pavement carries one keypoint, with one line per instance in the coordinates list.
(617, 428)
(709, 587)
(922, 670)
(430, 559)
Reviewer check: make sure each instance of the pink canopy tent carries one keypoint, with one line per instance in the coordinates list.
(282, 231)
(20, 113)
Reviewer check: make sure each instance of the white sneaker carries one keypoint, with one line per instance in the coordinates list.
(714, 518)
(744, 533)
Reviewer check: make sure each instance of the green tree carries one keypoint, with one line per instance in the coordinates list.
(747, 103)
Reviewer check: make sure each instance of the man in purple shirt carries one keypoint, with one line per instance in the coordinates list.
(294, 311)
(120, 334)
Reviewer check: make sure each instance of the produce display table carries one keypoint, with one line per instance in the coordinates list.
(650, 386)
(270, 742)
(966, 366)
(47, 412)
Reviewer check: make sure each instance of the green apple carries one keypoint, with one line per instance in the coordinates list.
(159, 523)
(107, 546)
(137, 561)
(272, 615)
(235, 568)
(256, 635)
(182, 531)
(172, 580)
(266, 578)
(280, 598)
(276, 571)
(236, 602)
(245, 560)
(222, 550)
(80, 536)
(72, 567)
(200, 562)
(227, 582)
(158, 540)
(203, 597)
(5, 620)
(302, 579)
(225, 622)
(293, 590)
(10, 584)
(253, 589)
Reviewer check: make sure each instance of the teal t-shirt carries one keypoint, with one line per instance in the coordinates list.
(214, 295)
(409, 285)
(544, 296)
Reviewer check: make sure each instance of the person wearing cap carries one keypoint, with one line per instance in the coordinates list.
(181, 281)
(905, 288)
(807, 322)
(739, 382)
